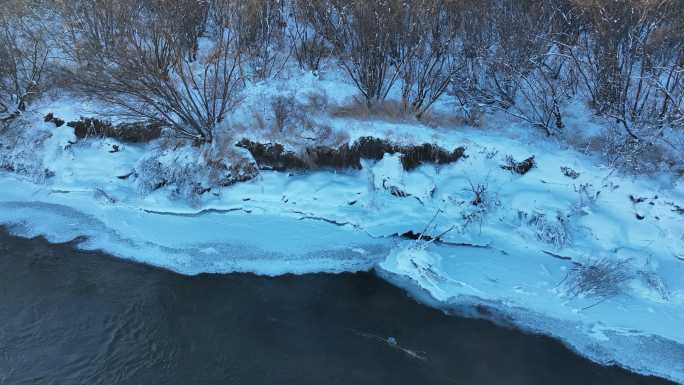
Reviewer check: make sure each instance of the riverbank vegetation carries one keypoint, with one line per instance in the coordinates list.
(183, 64)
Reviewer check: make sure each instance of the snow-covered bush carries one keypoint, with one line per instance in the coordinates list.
(180, 169)
(190, 172)
(631, 155)
(587, 196)
(551, 230)
(510, 60)
(478, 206)
(569, 172)
(227, 165)
(18, 149)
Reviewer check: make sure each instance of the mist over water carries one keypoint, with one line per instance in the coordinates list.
(73, 317)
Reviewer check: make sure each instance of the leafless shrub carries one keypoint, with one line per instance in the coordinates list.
(261, 28)
(479, 194)
(294, 122)
(23, 58)
(186, 20)
(540, 96)
(364, 36)
(310, 48)
(310, 52)
(380, 42)
(602, 277)
(130, 58)
(282, 107)
(510, 60)
(259, 121)
(631, 63)
(387, 110)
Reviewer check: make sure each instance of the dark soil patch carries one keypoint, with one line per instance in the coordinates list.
(414, 156)
(273, 156)
(337, 158)
(411, 235)
(51, 118)
(676, 208)
(636, 200)
(137, 132)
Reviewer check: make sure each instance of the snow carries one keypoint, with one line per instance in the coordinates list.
(512, 253)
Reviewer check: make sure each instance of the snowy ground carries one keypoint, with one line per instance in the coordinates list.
(514, 252)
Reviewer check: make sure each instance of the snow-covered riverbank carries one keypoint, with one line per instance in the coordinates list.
(513, 243)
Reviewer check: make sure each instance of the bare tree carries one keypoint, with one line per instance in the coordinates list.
(510, 60)
(428, 45)
(631, 59)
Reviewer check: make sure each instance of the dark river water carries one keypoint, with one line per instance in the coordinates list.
(73, 317)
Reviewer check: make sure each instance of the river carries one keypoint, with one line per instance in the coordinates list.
(74, 317)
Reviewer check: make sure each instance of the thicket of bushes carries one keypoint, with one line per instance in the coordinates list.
(182, 63)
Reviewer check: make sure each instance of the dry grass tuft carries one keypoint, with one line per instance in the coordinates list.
(604, 277)
(390, 110)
